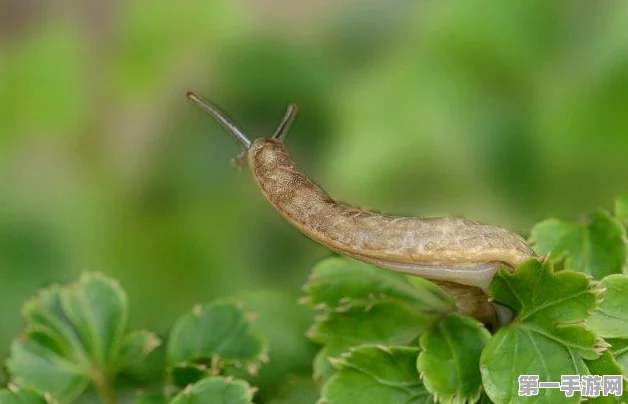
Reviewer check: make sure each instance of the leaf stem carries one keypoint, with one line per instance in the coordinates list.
(104, 387)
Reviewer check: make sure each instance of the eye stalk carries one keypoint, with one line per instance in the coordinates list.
(227, 123)
(240, 160)
(221, 118)
(286, 123)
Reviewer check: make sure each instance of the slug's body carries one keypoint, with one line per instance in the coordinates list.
(461, 255)
(447, 249)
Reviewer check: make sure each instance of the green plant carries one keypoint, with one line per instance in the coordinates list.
(389, 338)
(76, 336)
(385, 337)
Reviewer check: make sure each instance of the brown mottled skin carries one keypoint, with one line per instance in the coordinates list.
(434, 241)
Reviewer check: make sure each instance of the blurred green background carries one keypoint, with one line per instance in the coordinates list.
(506, 112)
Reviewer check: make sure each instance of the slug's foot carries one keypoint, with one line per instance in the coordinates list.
(472, 301)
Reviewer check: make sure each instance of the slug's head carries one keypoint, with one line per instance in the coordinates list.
(246, 142)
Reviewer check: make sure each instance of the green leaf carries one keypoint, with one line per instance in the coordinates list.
(75, 335)
(381, 322)
(283, 325)
(136, 346)
(605, 365)
(44, 312)
(387, 322)
(97, 307)
(516, 351)
(547, 336)
(594, 245)
(339, 282)
(322, 369)
(449, 361)
(24, 395)
(360, 304)
(619, 348)
(216, 390)
(555, 304)
(610, 319)
(33, 364)
(219, 332)
(376, 374)
(621, 208)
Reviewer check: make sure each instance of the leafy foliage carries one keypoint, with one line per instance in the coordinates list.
(339, 282)
(209, 338)
(215, 334)
(605, 365)
(619, 349)
(366, 311)
(369, 319)
(610, 319)
(547, 337)
(217, 390)
(360, 304)
(385, 338)
(450, 356)
(593, 245)
(77, 334)
(376, 374)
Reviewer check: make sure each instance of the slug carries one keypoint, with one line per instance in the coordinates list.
(459, 254)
